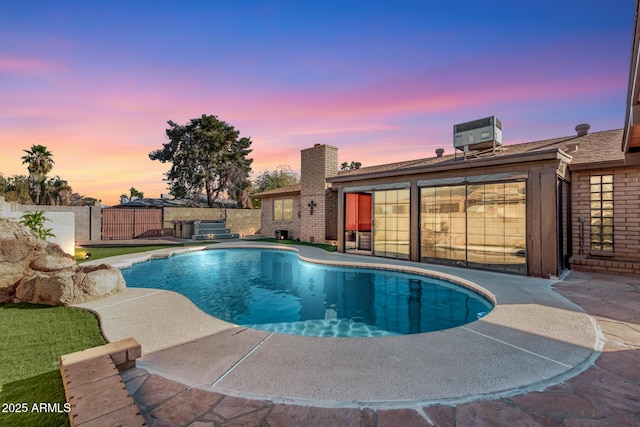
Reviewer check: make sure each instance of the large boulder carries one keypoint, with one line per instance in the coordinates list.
(32, 270)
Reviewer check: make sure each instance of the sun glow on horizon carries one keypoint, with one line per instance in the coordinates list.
(382, 85)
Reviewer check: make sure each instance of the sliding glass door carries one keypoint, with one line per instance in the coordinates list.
(391, 222)
(480, 225)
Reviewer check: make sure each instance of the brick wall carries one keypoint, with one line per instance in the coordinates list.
(626, 213)
(317, 163)
(269, 226)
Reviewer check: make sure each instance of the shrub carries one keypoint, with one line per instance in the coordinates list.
(35, 221)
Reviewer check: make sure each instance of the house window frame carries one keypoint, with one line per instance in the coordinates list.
(284, 214)
(601, 214)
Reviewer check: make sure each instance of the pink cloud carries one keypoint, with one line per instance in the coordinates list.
(21, 66)
(100, 125)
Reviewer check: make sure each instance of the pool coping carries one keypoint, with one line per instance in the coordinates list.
(547, 352)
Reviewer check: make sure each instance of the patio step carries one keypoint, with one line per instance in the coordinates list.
(211, 230)
(94, 389)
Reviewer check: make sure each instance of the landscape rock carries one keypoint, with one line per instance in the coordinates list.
(53, 259)
(32, 270)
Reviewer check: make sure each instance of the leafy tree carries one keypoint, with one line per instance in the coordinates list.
(15, 189)
(283, 176)
(239, 191)
(133, 195)
(56, 192)
(345, 166)
(80, 200)
(35, 221)
(206, 154)
(39, 163)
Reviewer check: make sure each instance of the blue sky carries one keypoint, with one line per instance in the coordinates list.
(382, 81)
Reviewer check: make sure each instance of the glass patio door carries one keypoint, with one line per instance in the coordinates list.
(391, 223)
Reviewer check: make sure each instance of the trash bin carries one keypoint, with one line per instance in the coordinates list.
(282, 234)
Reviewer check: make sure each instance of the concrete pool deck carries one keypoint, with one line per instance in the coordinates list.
(533, 340)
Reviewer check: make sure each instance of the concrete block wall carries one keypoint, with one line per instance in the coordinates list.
(244, 221)
(240, 221)
(87, 219)
(62, 224)
(626, 222)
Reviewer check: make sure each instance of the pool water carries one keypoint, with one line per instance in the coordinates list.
(273, 290)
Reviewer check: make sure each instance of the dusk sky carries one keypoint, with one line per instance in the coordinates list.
(96, 82)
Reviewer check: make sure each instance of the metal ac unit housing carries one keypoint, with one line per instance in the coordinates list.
(478, 134)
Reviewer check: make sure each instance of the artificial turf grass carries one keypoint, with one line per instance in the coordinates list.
(33, 339)
(109, 251)
(328, 248)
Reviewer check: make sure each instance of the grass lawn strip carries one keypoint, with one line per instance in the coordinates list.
(328, 248)
(109, 251)
(33, 339)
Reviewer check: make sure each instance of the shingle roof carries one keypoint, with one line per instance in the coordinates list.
(594, 147)
(295, 188)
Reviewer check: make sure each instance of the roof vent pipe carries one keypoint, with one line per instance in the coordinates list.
(583, 129)
(439, 152)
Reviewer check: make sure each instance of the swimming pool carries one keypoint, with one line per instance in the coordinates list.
(274, 290)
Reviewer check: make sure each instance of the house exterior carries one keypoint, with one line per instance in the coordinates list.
(536, 208)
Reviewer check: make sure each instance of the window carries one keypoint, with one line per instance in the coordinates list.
(283, 210)
(601, 204)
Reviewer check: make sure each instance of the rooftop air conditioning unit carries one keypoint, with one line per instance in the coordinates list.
(481, 134)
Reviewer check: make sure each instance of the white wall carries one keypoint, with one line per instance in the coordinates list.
(62, 224)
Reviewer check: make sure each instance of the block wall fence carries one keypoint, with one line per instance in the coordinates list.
(88, 219)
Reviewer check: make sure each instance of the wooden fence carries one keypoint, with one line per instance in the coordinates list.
(122, 224)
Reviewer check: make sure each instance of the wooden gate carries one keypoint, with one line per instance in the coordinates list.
(122, 224)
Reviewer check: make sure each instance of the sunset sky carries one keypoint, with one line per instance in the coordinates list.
(96, 82)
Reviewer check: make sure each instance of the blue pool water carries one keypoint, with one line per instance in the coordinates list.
(275, 291)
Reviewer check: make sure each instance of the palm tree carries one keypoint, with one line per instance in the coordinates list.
(57, 192)
(39, 163)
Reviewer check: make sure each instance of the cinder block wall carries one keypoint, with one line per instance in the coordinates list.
(62, 224)
(87, 219)
(243, 221)
(240, 221)
(626, 222)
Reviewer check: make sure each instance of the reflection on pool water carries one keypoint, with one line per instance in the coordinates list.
(273, 290)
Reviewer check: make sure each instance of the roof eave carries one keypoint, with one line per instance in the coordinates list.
(283, 193)
(632, 159)
(550, 154)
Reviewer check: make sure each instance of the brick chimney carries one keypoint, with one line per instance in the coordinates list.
(439, 152)
(316, 165)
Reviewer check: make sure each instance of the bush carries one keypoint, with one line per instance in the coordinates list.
(35, 221)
